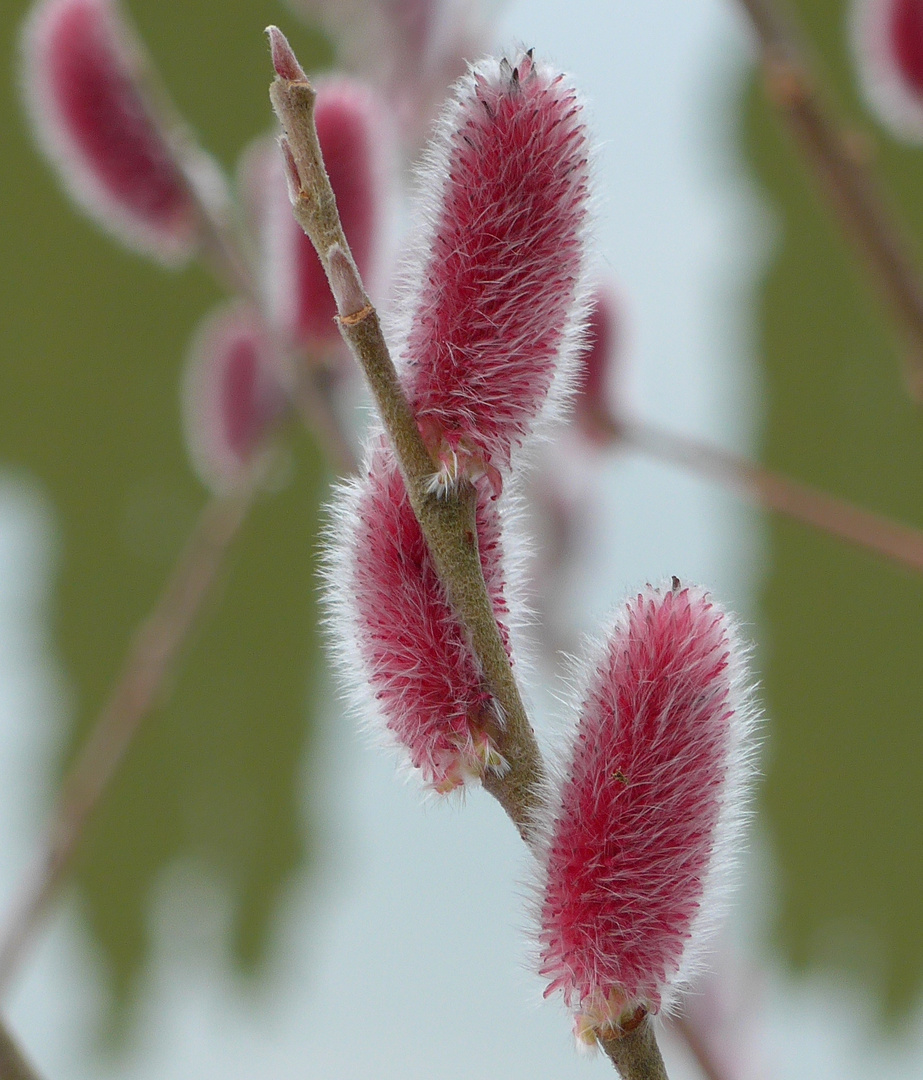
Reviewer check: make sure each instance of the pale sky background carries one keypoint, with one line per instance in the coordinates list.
(405, 957)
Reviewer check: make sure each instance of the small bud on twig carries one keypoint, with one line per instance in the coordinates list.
(345, 284)
(353, 137)
(284, 62)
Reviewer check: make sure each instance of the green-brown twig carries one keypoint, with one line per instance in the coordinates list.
(902, 544)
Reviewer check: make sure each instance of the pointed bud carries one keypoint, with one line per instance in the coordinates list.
(649, 812)
(888, 42)
(495, 295)
(390, 607)
(345, 285)
(83, 87)
(233, 395)
(284, 61)
(597, 361)
(353, 137)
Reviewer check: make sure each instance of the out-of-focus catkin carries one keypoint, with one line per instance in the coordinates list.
(233, 394)
(888, 44)
(83, 89)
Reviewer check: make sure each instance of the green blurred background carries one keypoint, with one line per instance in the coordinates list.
(92, 340)
(843, 667)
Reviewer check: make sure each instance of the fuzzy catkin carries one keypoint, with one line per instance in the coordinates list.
(494, 296)
(649, 810)
(390, 608)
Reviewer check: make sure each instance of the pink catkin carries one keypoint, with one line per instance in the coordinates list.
(352, 132)
(81, 88)
(495, 297)
(393, 609)
(232, 395)
(651, 801)
(888, 41)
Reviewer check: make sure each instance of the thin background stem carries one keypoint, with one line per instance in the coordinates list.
(151, 660)
(699, 1048)
(853, 190)
(901, 544)
(153, 655)
(13, 1063)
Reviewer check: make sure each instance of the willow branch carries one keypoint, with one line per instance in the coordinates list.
(447, 522)
(854, 192)
(150, 662)
(13, 1063)
(635, 1053)
(901, 544)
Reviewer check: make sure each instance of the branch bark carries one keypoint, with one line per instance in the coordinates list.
(635, 1053)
